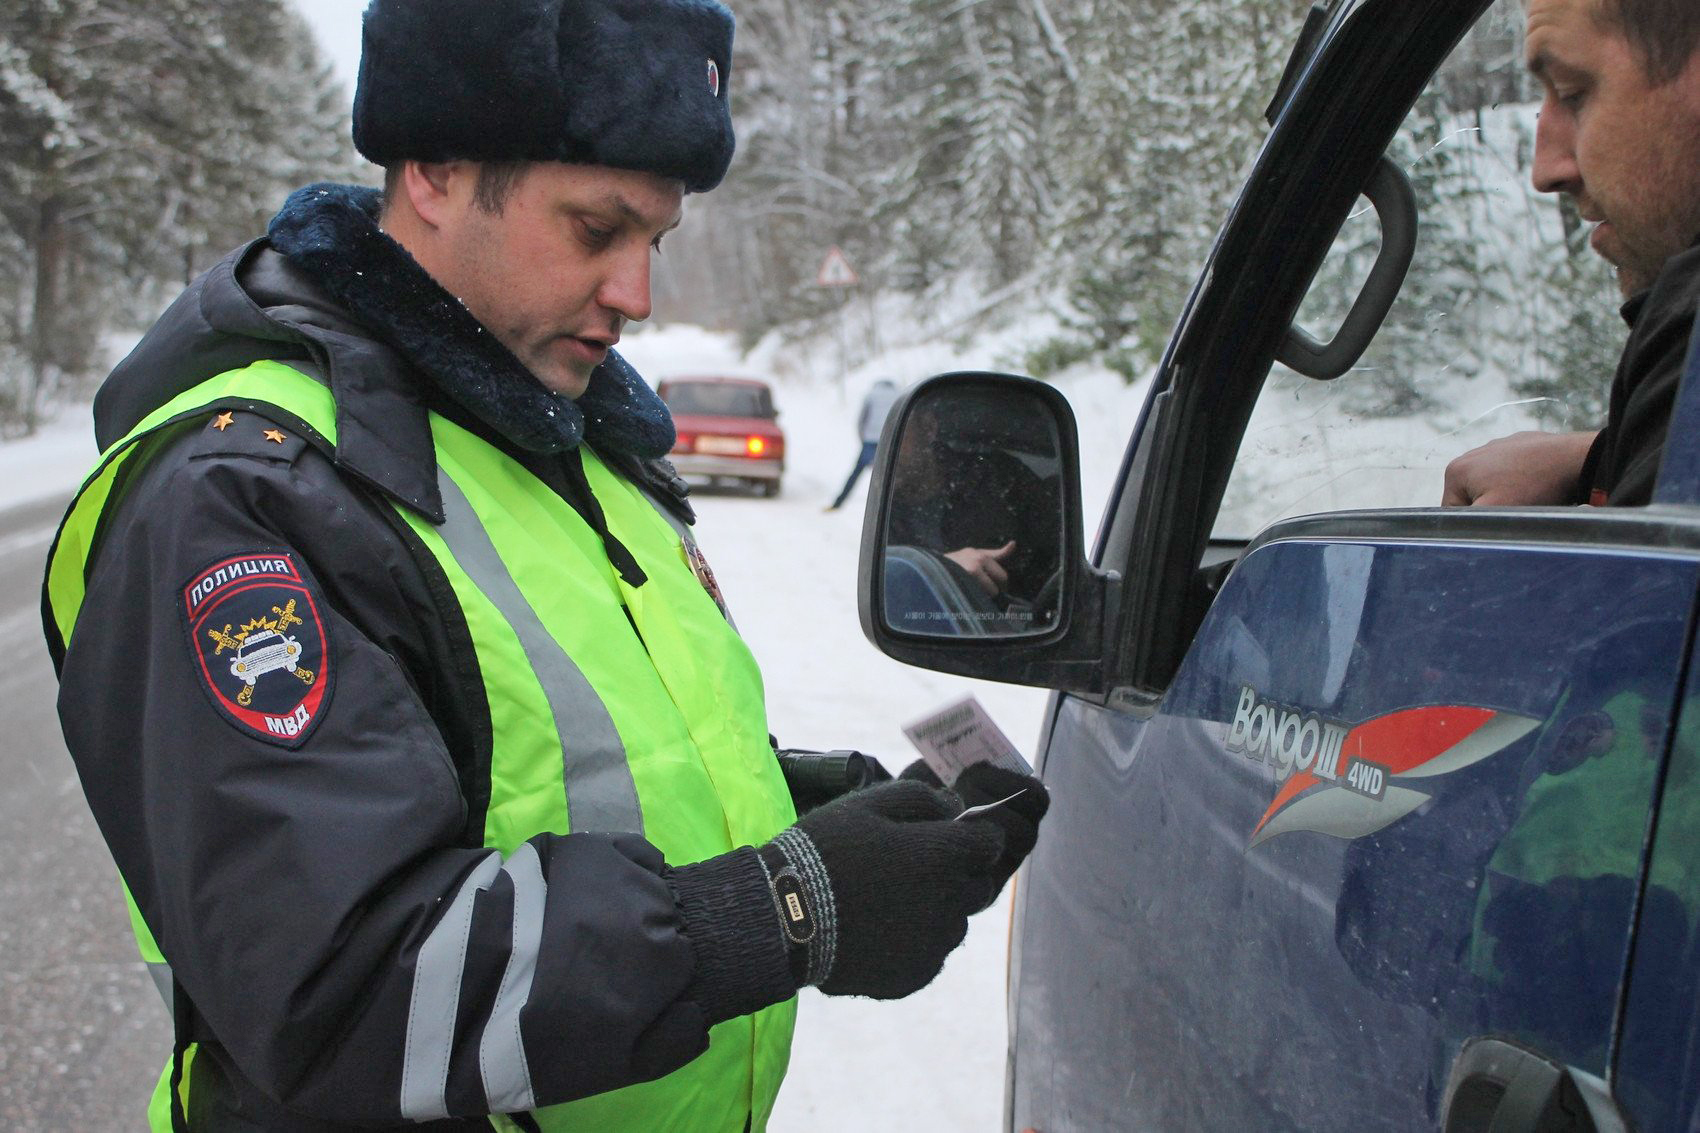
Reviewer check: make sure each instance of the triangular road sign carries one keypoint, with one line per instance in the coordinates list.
(835, 270)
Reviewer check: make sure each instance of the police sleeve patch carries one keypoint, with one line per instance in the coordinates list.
(258, 642)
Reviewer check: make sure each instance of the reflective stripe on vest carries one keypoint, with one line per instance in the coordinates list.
(599, 789)
(594, 728)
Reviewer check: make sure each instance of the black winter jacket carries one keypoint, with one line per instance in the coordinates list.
(290, 886)
(1623, 464)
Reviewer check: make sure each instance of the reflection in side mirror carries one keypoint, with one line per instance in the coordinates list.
(973, 538)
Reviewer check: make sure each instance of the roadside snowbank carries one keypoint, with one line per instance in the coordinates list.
(50, 463)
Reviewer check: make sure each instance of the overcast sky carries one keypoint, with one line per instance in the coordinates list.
(337, 24)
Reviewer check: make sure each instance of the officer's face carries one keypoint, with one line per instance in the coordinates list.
(1623, 143)
(560, 270)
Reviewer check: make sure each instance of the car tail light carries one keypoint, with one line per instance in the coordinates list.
(684, 442)
(755, 446)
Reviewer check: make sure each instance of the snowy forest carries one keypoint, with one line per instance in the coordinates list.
(139, 141)
(1071, 155)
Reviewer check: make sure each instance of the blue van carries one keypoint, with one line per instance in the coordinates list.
(1366, 814)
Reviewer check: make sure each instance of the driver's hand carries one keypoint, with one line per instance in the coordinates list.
(985, 564)
(1524, 468)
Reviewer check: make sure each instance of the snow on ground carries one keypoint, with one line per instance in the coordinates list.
(49, 463)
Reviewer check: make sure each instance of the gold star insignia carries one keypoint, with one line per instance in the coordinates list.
(223, 421)
(274, 435)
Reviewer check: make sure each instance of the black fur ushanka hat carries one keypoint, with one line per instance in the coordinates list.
(632, 84)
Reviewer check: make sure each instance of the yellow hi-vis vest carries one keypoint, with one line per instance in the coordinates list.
(593, 728)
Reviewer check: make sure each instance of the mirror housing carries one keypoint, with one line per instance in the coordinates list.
(979, 416)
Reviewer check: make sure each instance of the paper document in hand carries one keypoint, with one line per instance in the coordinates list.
(960, 736)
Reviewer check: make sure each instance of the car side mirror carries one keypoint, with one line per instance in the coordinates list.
(973, 556)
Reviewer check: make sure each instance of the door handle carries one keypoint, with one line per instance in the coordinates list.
(1498, 1086)
(1396, 207)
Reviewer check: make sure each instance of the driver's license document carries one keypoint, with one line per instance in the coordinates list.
(961, 735)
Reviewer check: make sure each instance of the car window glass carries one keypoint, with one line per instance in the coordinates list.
(717, 400)
(1506, 322)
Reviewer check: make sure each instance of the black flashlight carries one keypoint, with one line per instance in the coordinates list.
(817, 777)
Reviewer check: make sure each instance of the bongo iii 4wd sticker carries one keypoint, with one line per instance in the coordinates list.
(259, 642)
(1351, 780)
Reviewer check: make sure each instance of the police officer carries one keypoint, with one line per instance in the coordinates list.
(438, 780)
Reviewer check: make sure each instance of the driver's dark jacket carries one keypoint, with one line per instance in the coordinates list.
(1623, 464)
(299, 967)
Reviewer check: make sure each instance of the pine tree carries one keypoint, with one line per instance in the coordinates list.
(1164, 144)
(1005, 166)
(138, 139)
(1570, 375)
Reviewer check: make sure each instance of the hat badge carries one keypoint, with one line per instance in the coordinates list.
(714, 78)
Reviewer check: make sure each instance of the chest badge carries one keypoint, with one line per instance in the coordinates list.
(259, 645)
(698, 563)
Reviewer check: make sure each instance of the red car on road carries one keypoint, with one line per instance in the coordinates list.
(728, 431)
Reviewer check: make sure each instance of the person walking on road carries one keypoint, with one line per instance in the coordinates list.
(439, 781)
(876, 407)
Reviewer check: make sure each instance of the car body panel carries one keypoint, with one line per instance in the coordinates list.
(1658, 1062)
(1204, 979)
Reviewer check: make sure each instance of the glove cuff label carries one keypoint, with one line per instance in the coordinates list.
(798, 860)
(792, 899)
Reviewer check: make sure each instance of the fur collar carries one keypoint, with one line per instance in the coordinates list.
(331, 232)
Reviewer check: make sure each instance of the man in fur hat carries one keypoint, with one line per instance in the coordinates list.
(438, 780)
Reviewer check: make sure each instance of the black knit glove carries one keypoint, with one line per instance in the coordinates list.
(983, 783)
(874, 890)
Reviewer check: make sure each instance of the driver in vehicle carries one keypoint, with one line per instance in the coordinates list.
(985, 512)
(1619, 133)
